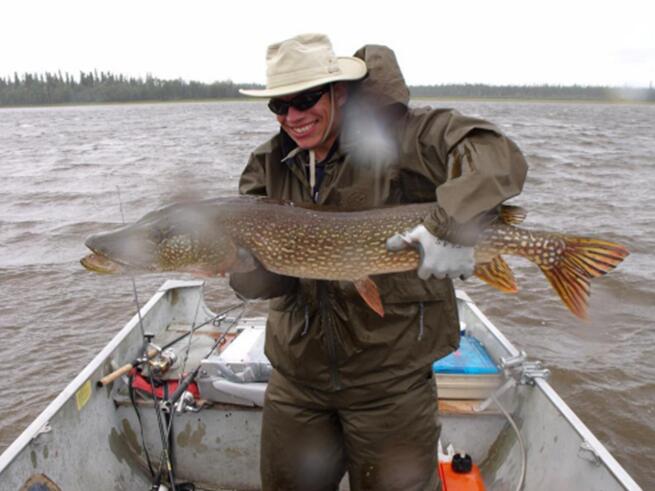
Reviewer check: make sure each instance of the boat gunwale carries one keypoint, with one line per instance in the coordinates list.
(43, 419)
(596, 446)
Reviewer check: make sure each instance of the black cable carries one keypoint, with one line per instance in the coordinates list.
(138, 417)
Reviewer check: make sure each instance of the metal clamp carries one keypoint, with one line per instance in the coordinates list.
(533, 370)
(513, 361)
(526, 371)
(44, 430)
(589, 453)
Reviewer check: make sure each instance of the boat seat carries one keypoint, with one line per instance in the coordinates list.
(239, 374)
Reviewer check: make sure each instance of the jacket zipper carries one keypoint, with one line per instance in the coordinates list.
(325, 318)
(421, 324)
(328, 329)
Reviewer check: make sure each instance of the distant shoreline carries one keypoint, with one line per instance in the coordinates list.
(255, 101)
(535, 100)
(93, 88)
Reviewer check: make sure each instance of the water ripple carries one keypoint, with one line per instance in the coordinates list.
(63, 170)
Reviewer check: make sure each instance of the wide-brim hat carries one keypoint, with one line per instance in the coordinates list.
(304, 62)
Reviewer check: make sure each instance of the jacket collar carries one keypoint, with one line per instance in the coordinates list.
(290, 149)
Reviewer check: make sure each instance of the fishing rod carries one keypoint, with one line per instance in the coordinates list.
(169, 405)
(186, 381)
(162, 406)
(148, 354)
(165, 458)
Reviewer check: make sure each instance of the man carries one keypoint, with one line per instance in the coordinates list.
(350, 390)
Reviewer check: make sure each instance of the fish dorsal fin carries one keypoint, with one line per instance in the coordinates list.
(498, 274)
(369, 292)
(512, 215)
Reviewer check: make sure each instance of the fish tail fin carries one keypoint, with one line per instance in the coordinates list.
(498, 274)
(581, 260)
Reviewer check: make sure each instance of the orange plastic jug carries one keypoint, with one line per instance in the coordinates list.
(460, 475)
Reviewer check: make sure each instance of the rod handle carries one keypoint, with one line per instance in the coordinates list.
(125, 369)
(107, 379)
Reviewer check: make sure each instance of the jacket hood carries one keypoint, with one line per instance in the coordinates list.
(375, 104)
(384, 85)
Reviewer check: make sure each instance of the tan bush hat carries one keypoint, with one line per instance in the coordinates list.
(304, 62)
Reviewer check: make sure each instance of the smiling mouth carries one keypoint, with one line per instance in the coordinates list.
(303, 130)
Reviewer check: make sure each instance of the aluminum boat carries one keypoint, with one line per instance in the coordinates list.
(100, 436)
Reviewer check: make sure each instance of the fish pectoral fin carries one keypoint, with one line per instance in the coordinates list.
(512, 215)
(498, 274)
(369, 292)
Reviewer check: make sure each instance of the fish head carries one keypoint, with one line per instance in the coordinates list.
(182, 237)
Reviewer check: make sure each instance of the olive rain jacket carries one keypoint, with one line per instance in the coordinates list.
(321, 333)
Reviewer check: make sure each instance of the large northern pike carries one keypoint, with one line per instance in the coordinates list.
(209, 238)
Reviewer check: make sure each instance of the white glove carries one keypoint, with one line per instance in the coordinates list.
(438, 257)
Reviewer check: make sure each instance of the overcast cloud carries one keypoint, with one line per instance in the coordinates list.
(472, 41)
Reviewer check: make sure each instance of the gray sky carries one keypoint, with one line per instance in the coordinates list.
(468, 41)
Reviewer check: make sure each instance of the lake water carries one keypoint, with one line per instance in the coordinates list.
(592, 172)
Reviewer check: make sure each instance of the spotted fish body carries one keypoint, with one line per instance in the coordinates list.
(327, 245)
(209, 237)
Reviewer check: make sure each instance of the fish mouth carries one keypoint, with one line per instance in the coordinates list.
(99, 263)
(107, 259)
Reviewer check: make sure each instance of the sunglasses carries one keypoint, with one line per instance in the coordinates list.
(301, 102)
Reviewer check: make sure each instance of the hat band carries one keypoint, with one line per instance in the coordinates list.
(302, 76)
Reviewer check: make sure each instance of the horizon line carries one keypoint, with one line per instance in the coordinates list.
(77, 77)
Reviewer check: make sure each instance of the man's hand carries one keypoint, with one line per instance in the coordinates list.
(438, 257)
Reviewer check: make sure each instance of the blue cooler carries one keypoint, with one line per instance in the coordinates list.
(471, 358)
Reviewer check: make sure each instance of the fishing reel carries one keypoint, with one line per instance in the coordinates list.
(156, 360)
(186, 403)
(162, 362)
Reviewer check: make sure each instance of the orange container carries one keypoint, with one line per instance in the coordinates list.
(454, 481)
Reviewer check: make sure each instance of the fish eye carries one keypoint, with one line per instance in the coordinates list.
(155, 235)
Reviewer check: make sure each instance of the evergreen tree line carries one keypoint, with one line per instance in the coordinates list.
(547, 92)
(57, 88)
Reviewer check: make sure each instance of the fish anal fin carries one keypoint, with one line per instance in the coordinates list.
(581, 260)
(512, 215)
(369, 292)
(498, 274)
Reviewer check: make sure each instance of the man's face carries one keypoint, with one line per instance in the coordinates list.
(308, 127)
